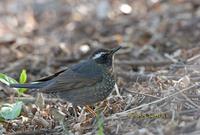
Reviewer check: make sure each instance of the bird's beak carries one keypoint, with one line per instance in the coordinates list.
(115, 50)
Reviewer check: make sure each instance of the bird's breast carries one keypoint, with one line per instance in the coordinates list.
(104, 88)
(91, 94)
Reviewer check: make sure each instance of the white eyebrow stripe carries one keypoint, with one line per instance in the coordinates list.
(98, 55)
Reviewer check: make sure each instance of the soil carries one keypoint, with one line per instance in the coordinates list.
(157, 72)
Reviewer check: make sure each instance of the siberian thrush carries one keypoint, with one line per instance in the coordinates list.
(85, 83)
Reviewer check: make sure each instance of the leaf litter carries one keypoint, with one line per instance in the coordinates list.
(157, 72)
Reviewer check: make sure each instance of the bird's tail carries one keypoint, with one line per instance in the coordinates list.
(37, 85)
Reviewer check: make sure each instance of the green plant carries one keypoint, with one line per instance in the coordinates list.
(10, 111)
(22, 80)
(8, 80)
(100, 125)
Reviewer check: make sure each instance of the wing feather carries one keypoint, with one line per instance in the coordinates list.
(81, 75)
(47, 78)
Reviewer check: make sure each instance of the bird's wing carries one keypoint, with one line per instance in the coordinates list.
(79, 76)
(47, 78)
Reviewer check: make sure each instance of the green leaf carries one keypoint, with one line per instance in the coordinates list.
(6, 79)
(11, 111)
(2, 119)
(23, 77)
(100, 125)
(22, 80)
(22, 90)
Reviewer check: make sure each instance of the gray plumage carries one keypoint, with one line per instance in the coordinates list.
(84, 83)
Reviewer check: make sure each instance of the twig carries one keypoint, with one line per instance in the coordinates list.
(193, 58)
(142, 94)
(136, 76)
(190, 101)
(32, 99)
(145, 63)
(41, 121)
(125, 113)
(188, 111)
(36, 132)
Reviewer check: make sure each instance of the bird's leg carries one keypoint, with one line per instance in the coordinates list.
(75, 113)
(90, 110)
(117, 91)
(81, 116)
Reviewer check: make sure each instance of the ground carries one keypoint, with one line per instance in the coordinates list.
(157, 72)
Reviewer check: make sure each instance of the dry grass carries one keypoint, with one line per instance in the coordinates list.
(157, 73)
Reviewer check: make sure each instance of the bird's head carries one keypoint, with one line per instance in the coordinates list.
(104, 56)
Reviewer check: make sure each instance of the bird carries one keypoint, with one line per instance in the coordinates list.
(85, 83)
